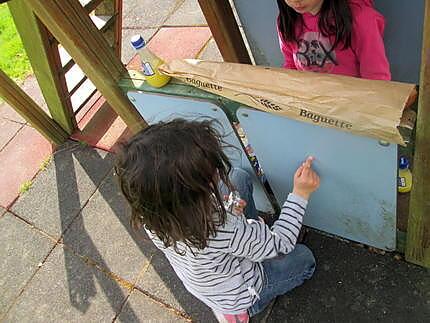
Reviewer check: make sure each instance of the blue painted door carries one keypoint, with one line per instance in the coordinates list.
(357, 196)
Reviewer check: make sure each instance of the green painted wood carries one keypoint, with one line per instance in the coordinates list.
(30, 111)
(36, 44)
(418, 235)
(70, 24)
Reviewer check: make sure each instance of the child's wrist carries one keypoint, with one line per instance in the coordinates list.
(303, 194)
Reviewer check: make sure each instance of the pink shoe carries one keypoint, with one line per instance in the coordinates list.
(232, 318)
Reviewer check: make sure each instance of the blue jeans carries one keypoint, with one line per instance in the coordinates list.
(284, 272)
(242, 182)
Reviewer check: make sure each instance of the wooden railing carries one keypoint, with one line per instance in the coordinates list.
(79, 37)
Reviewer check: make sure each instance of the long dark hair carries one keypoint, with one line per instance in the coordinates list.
(335, 19)
(169, 174)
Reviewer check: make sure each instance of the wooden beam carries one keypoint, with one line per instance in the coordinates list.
(118, 28)
(30, 111)
(72, 27)
(418, 235)
(35, 39)
(220, 18)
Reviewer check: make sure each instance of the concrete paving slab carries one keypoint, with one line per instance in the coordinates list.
(22, 249)
(20, 161)
(8, 130)
(147, 310)
(8, 113)
(128, 51)
(179, 42)
(188, 14)
(352, 284)
(59, 192)
(102, 128)
(66, 289)
(31, 87)
(102, 233)
(161, 281)
(211, 52)
(148, 13)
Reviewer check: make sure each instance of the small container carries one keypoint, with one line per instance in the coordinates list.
(404, 179)
(232, 202)
(150, 63)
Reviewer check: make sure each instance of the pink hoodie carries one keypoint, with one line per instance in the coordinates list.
(365, 58)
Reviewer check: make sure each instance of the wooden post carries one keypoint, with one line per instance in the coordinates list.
(113, 8)
(220, 18)
(118, 28)
(30, 111)
(418, 235)
(73, 28)
(36, 44)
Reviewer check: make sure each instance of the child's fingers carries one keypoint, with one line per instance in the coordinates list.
(299, 171)
(308, 162)
(241, 203)
(307, 171)
(239, 207)
(316, 179)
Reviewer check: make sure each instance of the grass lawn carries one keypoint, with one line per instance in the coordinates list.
(13, 59)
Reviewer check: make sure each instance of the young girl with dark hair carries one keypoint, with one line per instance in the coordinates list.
(171, 174)
(333, 36)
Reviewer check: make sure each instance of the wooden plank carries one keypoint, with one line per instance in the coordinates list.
(97, 42)
(118, 28)
(220, 18)
(105, 8)
(43, 62)
(30, 111)
(92, 5)
(418, 235)
(71, 26)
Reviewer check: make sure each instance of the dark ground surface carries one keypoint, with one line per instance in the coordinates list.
(352, 284)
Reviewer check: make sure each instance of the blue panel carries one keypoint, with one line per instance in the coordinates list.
(258, 19)
(357, 196)
(155, 108)
(403, 37)
(403, 34)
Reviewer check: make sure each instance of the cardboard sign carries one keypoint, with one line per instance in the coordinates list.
(363, 107)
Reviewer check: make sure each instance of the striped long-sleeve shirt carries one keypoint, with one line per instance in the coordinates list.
(228, 274)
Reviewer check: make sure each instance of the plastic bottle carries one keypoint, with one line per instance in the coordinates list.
(404, 180)
(150, 63)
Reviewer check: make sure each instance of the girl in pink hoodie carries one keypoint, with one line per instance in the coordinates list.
(333, 36)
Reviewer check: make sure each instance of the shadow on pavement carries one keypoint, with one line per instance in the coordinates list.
(83, 289)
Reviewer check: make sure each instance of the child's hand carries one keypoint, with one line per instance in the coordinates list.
(237, 207)
(306, 181)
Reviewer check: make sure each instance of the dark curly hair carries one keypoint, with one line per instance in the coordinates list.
(335, 19)
(169, 173)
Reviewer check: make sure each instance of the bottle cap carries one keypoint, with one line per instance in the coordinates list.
(137, 41)
(403, 163)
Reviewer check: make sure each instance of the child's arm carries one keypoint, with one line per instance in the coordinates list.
(256, 241)
(368, 45)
